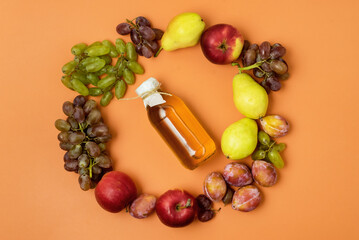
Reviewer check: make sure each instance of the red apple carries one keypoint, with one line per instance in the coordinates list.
(221, 43)
(115, 191)
(176, 208)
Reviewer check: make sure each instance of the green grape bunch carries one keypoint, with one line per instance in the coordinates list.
(92, 72)
(269, 150)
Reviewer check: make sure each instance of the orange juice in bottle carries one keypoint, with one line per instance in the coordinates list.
(176, 124)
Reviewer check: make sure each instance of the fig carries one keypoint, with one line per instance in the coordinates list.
(274, 125)
(215, 187)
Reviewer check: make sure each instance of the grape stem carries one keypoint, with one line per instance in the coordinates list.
(256, 65)
(130, 22)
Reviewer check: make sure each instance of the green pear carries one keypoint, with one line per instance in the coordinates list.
(184, 30)
(240, 139)
(250, 98)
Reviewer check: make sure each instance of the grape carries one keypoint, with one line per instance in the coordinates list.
(258, 73)
(75, 151)
(204, 202)
(102, 146)
(146, 51)
(79, 114)
(284, 76)
(277, 51)
(79, 100)
(83, 160)
(263, 138)
(123, 28)
(66, 146)
(66, 156)
(103, 161)
(68, 108)
(205, 216)
(245, 47)
(74, 124)
(96, 169)
(254, 46)
(153, 45)
(93, 149)
(264, 50)
(131, 52)
(142, 21)
(83, 170)
(138, 49)
(279, 147)
(89, 105)
(275, 85)
(265, 85)
(259, 154)
(278, 67)
(76, 138)
(249, 57)
(63, 137)
(104, 139)
(158, 33)
(94, 117)
(85, 182)
(106, 98)
(62, 125)
(135, 37)
(263, 147)
(147, 33)
(275, 158)
(78, 49)
(228, 197)
(71, 165)
(266, 67)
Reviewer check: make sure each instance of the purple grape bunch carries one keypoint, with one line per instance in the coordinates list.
(142, 35)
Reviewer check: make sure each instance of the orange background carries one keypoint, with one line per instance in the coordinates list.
(316, 196)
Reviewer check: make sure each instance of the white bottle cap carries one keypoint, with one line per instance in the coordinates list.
(154, 98)
(147, 86)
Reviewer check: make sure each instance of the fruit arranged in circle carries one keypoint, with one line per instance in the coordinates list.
(239, 139)
(237, 174)
(143, 206)
(246, 199)
(221, 43)
(214, 186)
(249, 97)
(115, 191)
(176, 208)
(183, 31)
(274, 125)
(264, 173)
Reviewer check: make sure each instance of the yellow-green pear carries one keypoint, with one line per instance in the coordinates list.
(240, 139)
(249, 97)
(184, 30)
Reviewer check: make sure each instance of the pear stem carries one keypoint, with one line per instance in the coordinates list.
(158, 52)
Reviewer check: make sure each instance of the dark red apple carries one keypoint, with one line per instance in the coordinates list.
(115, 191)
(221, 43)
(176, 208)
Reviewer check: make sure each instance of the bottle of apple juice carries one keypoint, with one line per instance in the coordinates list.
(176, 124)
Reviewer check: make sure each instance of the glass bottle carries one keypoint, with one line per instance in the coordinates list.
(176, 124)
